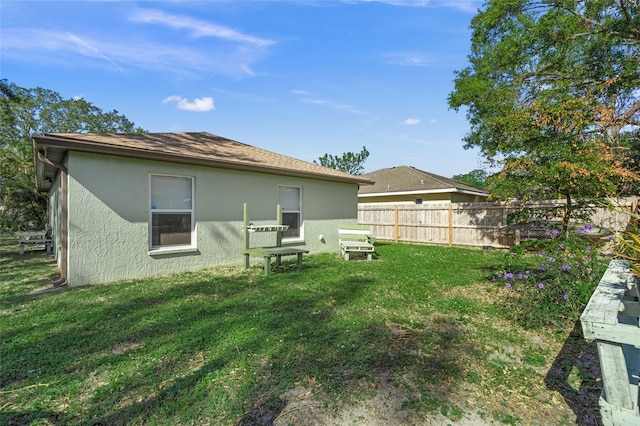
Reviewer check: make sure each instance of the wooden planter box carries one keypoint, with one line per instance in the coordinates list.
(611, 319)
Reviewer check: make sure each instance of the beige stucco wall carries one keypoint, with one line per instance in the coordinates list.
(467, 198)
(109, 216)
(438, 198)
(406, 199)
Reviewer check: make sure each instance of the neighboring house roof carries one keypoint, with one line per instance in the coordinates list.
(404, 180)
(200, 148)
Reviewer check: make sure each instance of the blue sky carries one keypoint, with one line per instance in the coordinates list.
(301, 78)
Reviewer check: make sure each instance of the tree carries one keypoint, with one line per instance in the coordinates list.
(477, 177)
(24, 113)
(349, 162)
(630, 142)
(550, 86)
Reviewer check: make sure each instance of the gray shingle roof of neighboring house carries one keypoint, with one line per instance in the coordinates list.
(199, 148)
(404, 179)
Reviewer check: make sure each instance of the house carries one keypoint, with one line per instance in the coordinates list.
(408, 185)
(125, 206)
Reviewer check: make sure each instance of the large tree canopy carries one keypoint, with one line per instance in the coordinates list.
(477, 177)
(349, 162)
(551, 86)
(23, 113)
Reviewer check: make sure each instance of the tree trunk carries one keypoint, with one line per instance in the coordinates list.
(566, 217)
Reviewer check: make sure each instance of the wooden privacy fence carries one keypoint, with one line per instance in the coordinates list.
(461, 224)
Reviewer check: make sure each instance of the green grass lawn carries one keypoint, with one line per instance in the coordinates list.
(415, 335)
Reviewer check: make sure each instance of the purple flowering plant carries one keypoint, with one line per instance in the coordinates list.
(552, 284)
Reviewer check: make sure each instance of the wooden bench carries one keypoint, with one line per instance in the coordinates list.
(278, 252)
(535, 231)
(355, 239)
(34, 238)
(611, 318)
(528, 231)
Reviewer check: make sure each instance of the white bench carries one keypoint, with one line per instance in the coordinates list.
(355, 239)
(34, 238)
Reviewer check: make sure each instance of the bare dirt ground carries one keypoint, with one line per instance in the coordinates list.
(564, 393)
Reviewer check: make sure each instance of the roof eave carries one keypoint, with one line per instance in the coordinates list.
(131, 152)
(423, 191)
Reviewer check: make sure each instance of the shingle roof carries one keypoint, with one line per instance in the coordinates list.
(404, 178)
(189, 148)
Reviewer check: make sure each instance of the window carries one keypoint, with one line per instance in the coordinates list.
(171, 205)
(418, 200)
(289, 199)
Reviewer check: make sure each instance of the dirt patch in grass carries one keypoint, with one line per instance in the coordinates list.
(553, 376)
(387, 403)
(384, 404)
(522, 377)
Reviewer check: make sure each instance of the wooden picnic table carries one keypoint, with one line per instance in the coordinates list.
(268, 252)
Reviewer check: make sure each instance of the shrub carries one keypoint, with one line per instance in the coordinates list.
(552, 284)
(629, 240)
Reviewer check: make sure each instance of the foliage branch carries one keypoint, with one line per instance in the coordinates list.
(477, 178)
(550, 93)
(349, 162)
(27, 112)
(629, 239)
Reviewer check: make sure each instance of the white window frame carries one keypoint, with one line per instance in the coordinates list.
(299, 211)
(152, 210)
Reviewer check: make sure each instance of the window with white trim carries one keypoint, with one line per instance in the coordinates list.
(171, 211)
(289, 197)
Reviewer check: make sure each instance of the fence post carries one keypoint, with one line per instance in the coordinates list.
(450, 233)
(396, 234)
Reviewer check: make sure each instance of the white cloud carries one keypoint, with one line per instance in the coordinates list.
(333, 104)
(408, 59)
(412, 3)
(411, 121)
(119, 52)
(309, 98)
(196, 47)
(203, 104)
(196, 27)
(89, 49)
(471, 6)
(433, 121)
(26, 42)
